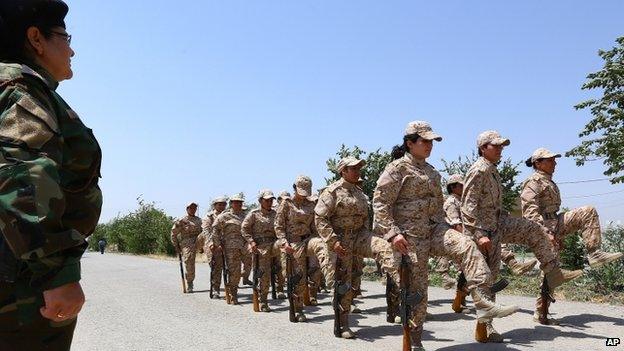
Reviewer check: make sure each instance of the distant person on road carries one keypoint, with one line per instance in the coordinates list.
(183, 237)
(102, 245)
(541, 202)
(49, 171)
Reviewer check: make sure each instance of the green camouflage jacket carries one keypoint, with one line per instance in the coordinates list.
(49, 171)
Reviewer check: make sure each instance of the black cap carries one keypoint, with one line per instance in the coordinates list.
(17, 15)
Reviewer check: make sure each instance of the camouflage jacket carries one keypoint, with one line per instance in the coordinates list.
(541, 199)
(342, 207)
(259, 224)
(452, 210)
(185, 230)
(49, 170)
(407, 199)
(294, 220)
(205, 237)
(482, 199)
(227, 230)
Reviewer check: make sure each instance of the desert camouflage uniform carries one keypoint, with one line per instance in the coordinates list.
(226, 235)
(49, 203)
(183, 236)
(259, 227)
(342, 215)
(482, 214)
(294, 225)
(452, 210)
(408, 200)
(215, 257)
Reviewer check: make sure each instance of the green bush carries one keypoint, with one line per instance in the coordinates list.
(611, 276)
(144, 231)
(572, 255)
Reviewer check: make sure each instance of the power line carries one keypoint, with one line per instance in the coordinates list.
(584, 181)
(592, 195)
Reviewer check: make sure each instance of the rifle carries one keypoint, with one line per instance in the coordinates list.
(306, 289)
(273, 273)
(340, 290)
(293, 280)
(547, 298)
(254, 295)
(212, 269)
(407, 302)
(181, 271)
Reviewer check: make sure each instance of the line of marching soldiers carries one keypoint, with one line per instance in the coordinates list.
(308, 238)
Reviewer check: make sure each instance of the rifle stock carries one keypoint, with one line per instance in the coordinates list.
(546, 300)
(306, 286)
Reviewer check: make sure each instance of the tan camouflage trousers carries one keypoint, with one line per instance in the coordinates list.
(442, 242)
(246, 259)
(188, 257)
(444, 265)
(216, 268)
(362, 243)
(313, 251)
(584, 219)
(267, 253)
(358, 266)
(233, 258)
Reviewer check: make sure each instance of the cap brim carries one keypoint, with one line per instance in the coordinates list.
(430, 136)
(358, 163)
(268, 197)
(501, 141)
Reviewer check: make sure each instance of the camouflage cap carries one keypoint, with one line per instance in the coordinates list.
(423, 129)
(284, 195)
(491, 137)
(219, 199)
(238, 197)
(349, 161)
(542, 153)
(190, 204)
(265, 194)
(303, 186)
(456, 179)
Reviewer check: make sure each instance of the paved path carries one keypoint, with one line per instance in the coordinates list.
(135, 303)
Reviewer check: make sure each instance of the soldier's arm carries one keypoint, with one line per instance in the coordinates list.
(322, 214)
(217, 232)
(247, 227)
(280, 223)
(438, 201)
(470, 203)
(32, 201)
(384, 197)
(530, 201)
(453, 214)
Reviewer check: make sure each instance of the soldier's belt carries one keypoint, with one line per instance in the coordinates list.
(264, 240)
(298, 239)
(550, 215)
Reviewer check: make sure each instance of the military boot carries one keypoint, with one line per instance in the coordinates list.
(558, 276)
(598, 258)
(189, 287)
(345, 331)
(486, 308)
(493, 336)
(522, 268)
(459, 302)
(215, 294)
(541, 314)
(416, 339)
(264, 307)
(301, 318)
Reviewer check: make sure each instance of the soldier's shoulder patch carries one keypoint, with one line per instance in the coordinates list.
(332, 187)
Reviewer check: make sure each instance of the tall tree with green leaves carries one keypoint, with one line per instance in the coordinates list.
(605, 131)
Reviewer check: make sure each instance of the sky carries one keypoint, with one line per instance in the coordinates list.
(194, 99)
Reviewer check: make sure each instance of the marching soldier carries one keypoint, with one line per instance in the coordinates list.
(183, 237)
(205, 241)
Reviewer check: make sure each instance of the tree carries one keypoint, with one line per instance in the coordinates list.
(606, 129)
(508, 172)
(376, 162)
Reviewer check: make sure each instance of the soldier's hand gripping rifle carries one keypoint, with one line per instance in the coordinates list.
(341, 287)
(256, 275)
(408, 301)
(293, 281)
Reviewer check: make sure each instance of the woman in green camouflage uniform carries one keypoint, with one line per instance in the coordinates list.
(49, 171)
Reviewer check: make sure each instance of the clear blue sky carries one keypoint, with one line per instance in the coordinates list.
(192, 99)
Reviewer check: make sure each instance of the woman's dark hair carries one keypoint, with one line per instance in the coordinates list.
(450, 187)
(399, 151)
(479, 152)
(529, 163)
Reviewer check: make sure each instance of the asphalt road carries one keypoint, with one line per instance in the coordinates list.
(136, 303)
